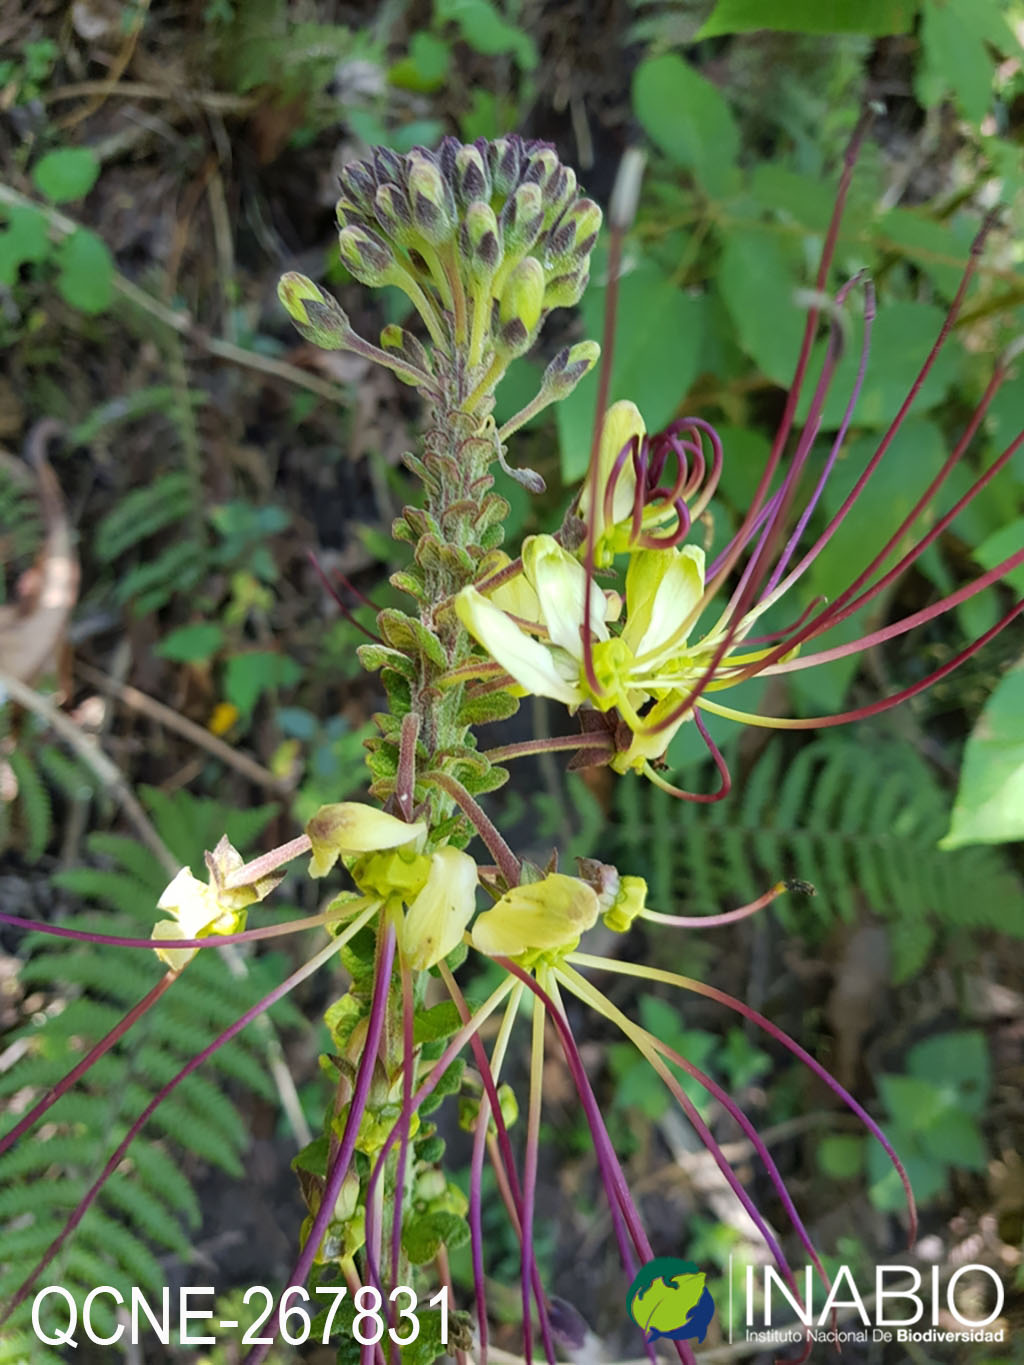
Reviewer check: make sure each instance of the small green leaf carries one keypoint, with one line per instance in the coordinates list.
(955, 57)
(989, 807)
(440, 1021)
(86, 278)
(874, 17)
(191, 644)
(66, 174)
(24, 239)
(425, 1235)
(689, 119)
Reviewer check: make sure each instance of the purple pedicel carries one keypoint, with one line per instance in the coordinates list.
(357, 1107)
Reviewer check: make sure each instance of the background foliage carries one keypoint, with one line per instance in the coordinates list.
(160, 171)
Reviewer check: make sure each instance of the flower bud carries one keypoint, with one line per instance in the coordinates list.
(446, 156)
(392, 212)
(433, 206)
(522, 218)
(480, 240)
(437, 918)
(572, 239)
(359, 183)
(568, 368)
(545, 916)
(471, 177)
(318, 317)
(522, 297)
(505, 157)
(566, 290)
(367, 256)
(388, 165)
(542, 168)
(397, 341)
(350, 214)
(349, 828)
(560, 192)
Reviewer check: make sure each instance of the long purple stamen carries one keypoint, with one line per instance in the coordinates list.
(114, 1161)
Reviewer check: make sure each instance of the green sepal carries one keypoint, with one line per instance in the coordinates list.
(491, 706)
(382, 760)
(494, 510)
(358, 956)
(341, 1018)
(461, 756)
(426, 1233)
(399, 691)
(410, 581)
(492, 537)
(449, 1084)
(374, 657)
(431, 1149)
(405, 633)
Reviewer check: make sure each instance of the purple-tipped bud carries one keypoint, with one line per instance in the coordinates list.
(351, 214)
(572, 239)
(480, 240)
(318, 317)
(569, 366)
(366, 256)
(358, 182)
(433, 205)
(522, 218)
(398, 341)
(542, 166)
(391, 210)
(505, 157)
(519, 308)
(471, 178)
(566, 290)
(388, 165)
(560, 193)
(446, 157)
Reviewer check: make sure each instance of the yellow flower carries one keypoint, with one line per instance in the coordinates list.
(349, 828)
(545, 916)
(437, 917)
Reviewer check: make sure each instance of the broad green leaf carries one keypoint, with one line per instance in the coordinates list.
(999, 546)
(957, 1141)
(958, 1062)
(487, 30)
(902, 336)
(66, 174)
(191, 644)
(875, 17)
(955, 57)
(689, 120)
(249, 676)
(657, 356)
(86, 278)
(989, 807)
(933, 246)
(758, 278)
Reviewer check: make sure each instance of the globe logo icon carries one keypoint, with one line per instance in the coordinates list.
(669, 1298)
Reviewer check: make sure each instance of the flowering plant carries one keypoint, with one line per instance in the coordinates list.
(620, 617)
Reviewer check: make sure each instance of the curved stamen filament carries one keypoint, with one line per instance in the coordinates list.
(688, 983)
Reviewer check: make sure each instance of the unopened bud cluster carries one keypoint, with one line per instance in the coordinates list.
(499, 220)
(485, 239)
